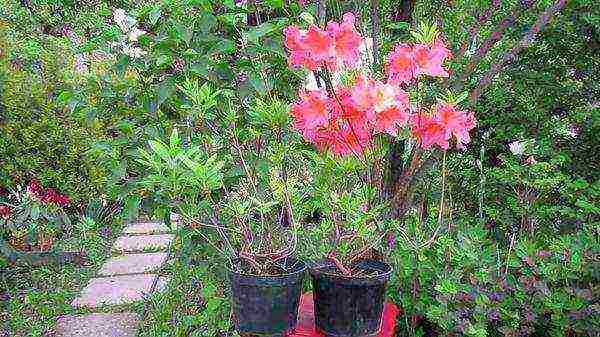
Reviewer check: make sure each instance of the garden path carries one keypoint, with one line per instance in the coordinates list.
(127, 277)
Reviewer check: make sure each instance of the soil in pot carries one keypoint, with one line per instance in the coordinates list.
(349, 306)
(267, 304)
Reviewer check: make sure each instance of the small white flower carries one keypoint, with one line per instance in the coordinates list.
(517, 148)
(366, 52)
(387, 96)
(311, 83)
(124, 21)
(135, 52)
(135, 34)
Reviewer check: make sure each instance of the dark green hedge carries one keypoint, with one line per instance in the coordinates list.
(38, 138)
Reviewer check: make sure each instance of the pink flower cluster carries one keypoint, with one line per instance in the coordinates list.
(443, 124)
(407, 62)
(346, 124)
(5, 212)
(346, 118)
(316, 48)
(47, 196)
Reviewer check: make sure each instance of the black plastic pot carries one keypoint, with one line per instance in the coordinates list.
(267, 305)
(349, 306)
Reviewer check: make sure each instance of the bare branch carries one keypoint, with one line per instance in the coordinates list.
(510, 56)
(375, 32)
(482, 18)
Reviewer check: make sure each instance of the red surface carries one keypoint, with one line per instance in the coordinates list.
(306, 319)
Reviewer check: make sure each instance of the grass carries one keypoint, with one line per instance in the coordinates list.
(34, 298)
(195, 302)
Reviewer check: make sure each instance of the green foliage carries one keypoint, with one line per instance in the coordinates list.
(467, 284)
(30, 218)
(178, 174)
(514, 252)
(39, 139)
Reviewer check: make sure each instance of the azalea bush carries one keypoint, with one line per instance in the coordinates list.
(32, 216)
(237, 188)
(345, 111)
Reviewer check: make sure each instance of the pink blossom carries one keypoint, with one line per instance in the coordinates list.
(35, 189)
(346, 40)
(428, 131)
(315, 48)
(401, 64)
(364, 93)
(298, 54)
(430, 58)
(5, 212)
(456, 123)
(318, 44)
(446, 122)
(390, 120)
(350, 140)
(312, 111)
(350, 109)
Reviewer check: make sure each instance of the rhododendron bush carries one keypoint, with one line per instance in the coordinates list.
(345, 117)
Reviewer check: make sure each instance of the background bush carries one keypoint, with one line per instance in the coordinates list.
(518, 253)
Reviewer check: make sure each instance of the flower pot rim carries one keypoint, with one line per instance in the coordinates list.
(384, 269)
(249, 278)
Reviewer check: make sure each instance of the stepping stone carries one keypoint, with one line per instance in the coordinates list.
(98, 325)
(140, 243)
(116, 290)
(133, 264)
(147, 228)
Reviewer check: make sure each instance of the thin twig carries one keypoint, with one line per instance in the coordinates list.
(510, 56)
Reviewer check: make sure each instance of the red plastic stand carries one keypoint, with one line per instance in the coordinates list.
(306, 319)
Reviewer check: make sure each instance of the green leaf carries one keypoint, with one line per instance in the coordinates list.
(259, 83)
(308, 18)
(185, 32)
(207, 22)
(165, 89)
(132, 204)
(155, 15)
(174, 140)
(275, 3)
(225, 46)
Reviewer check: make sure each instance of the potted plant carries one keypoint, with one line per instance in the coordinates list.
(242, 202)
(33, 216)
(350, 116)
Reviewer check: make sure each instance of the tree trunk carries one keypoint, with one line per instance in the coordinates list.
(396, 166)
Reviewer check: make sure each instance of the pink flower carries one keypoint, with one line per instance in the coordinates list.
(356, 114)
(430, 58)
(350, 140)
(315, 48)
(429, 131)
(456, 123)
(5, 212)
(312, 111)
(318, 44)
(35, 188)
(298, 54)
(401, 64)
(390, 120)
(440, 127)
(346, 40)
(363, 93)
